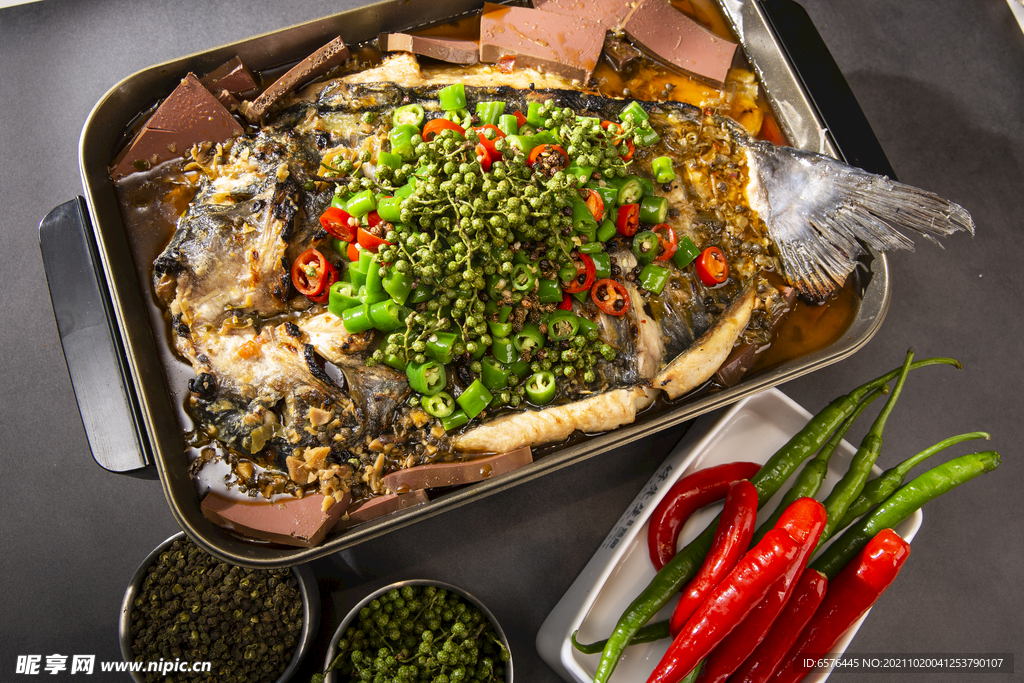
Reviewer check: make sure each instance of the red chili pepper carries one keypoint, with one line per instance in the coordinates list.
(667, 242)
(628, 219)
(312, 274)
(732, 539)
(435, 126)
(712, 267)
(558, 157)
(595, 205)
(369, 241)
(520, 118)
(804, 519)
(339, 223)
(727, 605)
(850, 594)
(588, 272)
(686, 496)
(610, 296)
(484, 157)
(373, 218)
(352, 251)
(762, 663)
(489, 144)
(566, 304)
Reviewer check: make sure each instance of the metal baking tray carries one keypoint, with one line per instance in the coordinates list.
(119, 373)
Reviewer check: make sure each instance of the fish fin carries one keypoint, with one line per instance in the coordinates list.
(821, 213)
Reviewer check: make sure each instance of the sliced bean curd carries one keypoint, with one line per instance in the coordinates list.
(475, 252)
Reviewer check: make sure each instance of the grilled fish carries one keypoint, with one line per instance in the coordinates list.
(280, 378)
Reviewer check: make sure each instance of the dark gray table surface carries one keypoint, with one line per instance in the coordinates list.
(940, 82)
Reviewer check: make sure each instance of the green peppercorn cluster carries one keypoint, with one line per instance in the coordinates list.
(462, 226)
(192, 607)
(420, 633)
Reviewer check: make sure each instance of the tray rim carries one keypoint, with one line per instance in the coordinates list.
(148, 375)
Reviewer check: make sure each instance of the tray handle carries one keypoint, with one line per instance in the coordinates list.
(826, 87)
(92, 350)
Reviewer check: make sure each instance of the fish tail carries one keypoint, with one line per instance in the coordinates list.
(823, 214)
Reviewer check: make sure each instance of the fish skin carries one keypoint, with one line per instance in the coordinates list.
(696, 336)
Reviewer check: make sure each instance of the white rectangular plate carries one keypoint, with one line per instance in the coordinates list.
(751, 430)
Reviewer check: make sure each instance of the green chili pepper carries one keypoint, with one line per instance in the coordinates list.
(663, 170)
(881, 487)
(441, 346)
(549, 291)
(530, 339)
(591, 248)
(686, 251)
(508, 124)
(426, 378)
(606, 230)
(390, 209)
(607, 193)
(809, 479)
(633, 112)
(769, 479)
(374, 283)
(581, 173)
(602, 265)
(628, 190)
(493, 373)
(440, 404)
(850, 486)
(340, 248)
(533, 115)
(645, 246)
(421, 294)
(645, 137)
(647, 184)
(361, 203)
(357, 319)
(399, 286)
(356, 273)
(369, 298)
(653, 210)
(588, 329)
(474, 399)
(903, 503)
(342, 296)
(452, 96)
(546, 137)
(658, 630)
(520, 144)
(523, 278)
(490, 111)
(540, 388)
(654, 277)
(339, 201)
(499, 329)
(409, 115)
(406, 190)
(387, 315)
(401, 139)
(389, 159)
(454, 421)
(460, 116)
(563, 325)
(504, 350)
